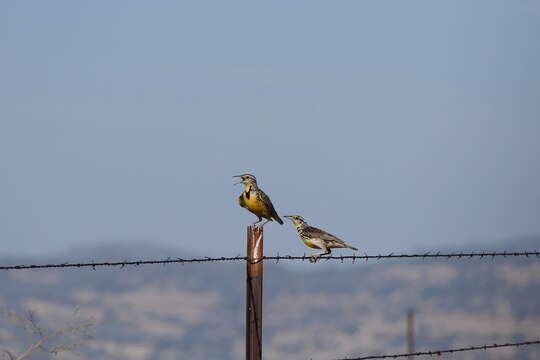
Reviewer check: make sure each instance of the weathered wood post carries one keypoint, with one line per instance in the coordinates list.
(254, 287)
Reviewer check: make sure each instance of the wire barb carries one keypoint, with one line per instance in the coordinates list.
(447, 351)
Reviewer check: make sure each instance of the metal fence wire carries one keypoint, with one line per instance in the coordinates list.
(341, 258)
(441, 352)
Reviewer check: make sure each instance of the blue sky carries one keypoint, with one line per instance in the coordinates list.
(394, 125)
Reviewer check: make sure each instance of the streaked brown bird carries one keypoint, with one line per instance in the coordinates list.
(256, 201)
(316, 238)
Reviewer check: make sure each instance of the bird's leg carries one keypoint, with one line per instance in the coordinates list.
(256, 225)
(316, 256)
(264, 223)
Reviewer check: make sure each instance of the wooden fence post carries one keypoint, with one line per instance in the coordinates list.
(254, 287)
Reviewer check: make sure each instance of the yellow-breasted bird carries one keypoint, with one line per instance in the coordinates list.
(256, 201)
(316, 238)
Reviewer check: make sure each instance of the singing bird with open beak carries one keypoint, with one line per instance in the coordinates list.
(256, 201)
(316, 238)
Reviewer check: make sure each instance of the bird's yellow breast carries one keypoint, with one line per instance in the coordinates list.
(311, 244)
(253, 204)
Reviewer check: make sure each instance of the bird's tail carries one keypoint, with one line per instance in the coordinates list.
(352, 248)
(278, 219)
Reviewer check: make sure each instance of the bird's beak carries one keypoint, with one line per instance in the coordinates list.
(239, 176)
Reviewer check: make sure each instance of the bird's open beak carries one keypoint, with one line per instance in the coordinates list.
(239, 176)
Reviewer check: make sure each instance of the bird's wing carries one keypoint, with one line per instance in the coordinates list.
(323, 235)
(266, 200)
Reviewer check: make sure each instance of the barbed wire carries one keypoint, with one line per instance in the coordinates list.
(277, 258)
(447, 351)
(426, 255)
(122, 264)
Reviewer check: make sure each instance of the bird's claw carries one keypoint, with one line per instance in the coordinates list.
(260, 224)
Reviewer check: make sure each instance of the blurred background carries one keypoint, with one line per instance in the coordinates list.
(398, 126)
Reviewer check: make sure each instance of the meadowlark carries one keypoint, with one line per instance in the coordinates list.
(316, 238)
(256, 201)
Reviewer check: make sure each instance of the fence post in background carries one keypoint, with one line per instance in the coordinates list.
(410, 332)
(254, 287)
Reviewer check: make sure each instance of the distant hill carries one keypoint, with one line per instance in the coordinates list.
(196, 311)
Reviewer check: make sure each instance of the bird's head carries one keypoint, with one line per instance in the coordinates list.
(297, 220)
(247, 180)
